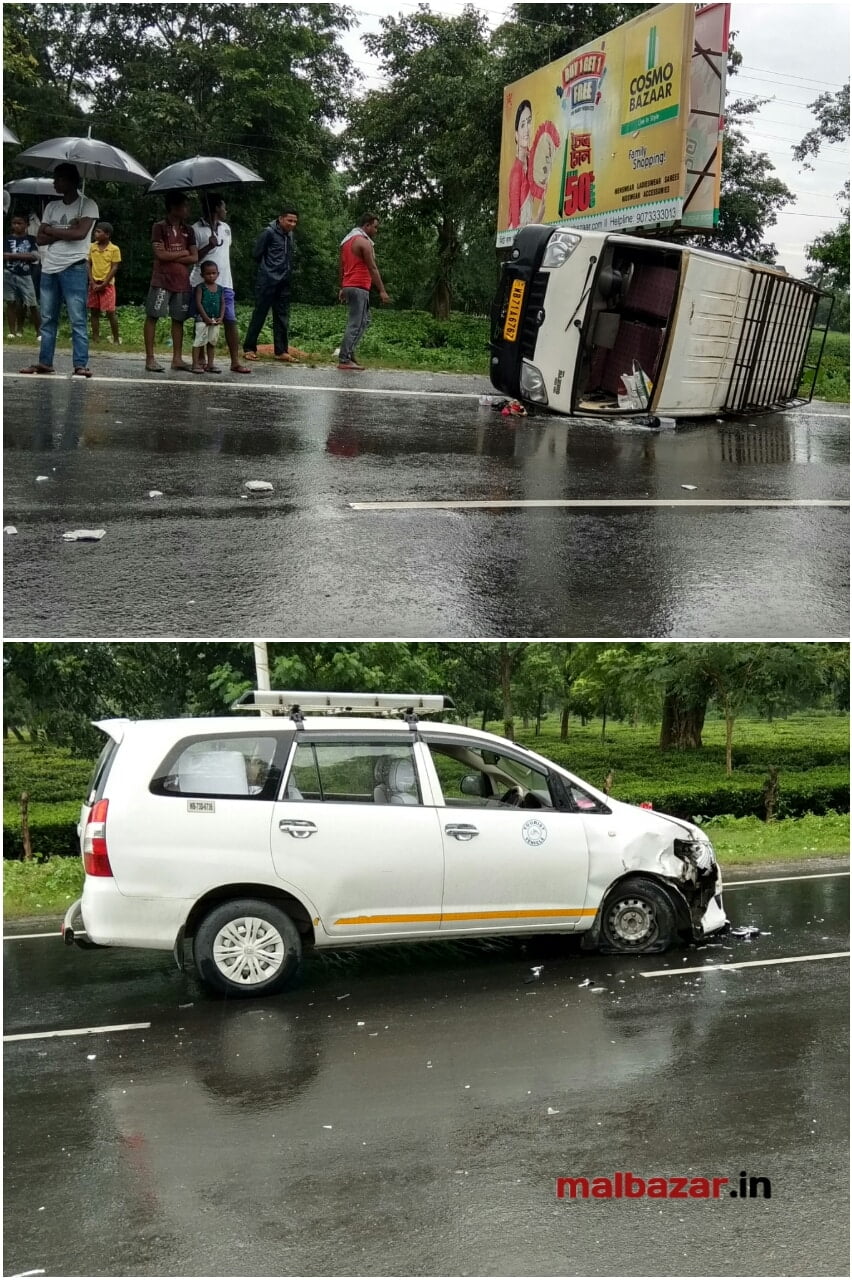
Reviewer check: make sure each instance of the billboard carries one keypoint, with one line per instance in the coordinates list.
(599, 137)
(706, 117)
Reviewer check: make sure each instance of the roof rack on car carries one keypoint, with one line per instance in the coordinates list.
(295, 703)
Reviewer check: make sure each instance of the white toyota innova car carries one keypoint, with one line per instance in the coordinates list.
(256, 838)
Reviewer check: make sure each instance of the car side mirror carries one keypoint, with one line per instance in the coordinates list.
(471, 785)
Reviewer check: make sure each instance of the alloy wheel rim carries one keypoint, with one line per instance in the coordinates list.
(248, 950)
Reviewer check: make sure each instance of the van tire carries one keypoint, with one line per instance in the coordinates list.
(638, 916)
(224, 928)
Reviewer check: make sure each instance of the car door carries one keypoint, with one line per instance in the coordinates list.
(505, 867)
(355, 827)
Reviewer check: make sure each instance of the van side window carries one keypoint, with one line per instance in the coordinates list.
(473, 778)
(583, 802)
(354, 773)
(233, 767)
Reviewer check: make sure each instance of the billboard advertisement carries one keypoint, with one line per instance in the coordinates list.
(706, 117)
(598, 137)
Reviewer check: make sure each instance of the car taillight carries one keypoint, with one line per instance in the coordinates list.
(95, 856)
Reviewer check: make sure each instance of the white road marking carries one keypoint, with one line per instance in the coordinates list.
(745, 884)
(743, 964)
(16, 937)
(243, 385)
(592, 503)
(80, 1031)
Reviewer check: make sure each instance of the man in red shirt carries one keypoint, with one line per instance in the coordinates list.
(175, 251)
(358, 271)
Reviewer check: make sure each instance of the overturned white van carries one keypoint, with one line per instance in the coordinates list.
(700, 332)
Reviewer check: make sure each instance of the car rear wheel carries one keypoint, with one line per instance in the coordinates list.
(638, 916)
(248, 947)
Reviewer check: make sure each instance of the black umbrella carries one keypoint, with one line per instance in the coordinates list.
(201, 171)
(9, 136)
(94, 159)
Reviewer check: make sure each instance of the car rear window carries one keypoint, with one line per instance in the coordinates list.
(232, 766)
(100, 773)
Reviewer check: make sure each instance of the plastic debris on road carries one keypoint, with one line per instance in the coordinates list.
(155, 493)
(587, 983)
(90, 1057)
(691, 487)
(83, 535)
(551, 1111)
(258, 487)
(10, 528)
(536, 971)
(504, 405)
(42, 479)
(745, 931)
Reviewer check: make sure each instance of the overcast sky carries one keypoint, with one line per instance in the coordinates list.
(791, 53)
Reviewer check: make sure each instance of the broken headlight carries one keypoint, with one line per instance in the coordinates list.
(698, 852)
(532, 383)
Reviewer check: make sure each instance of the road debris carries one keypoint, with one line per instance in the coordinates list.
(691, 487)
(10, 528)
(258, 487)
(83, 535)
(155, 493)
(746, 931)
(587, 983)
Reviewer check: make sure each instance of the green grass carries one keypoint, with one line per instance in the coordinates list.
(833, 380)
(414, 340)
(41, 888)
(746, 841)
(33, 889)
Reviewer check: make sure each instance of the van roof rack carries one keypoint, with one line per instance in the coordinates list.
(296, 703)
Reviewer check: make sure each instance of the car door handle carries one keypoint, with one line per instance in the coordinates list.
(461, 830)
(298, 828)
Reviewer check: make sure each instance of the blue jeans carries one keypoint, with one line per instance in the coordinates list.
(72, 285)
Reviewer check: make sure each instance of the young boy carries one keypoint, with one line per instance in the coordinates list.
(20, 256)
(104, 259)
(210, 305)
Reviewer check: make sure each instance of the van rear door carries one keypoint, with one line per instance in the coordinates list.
(115, 731)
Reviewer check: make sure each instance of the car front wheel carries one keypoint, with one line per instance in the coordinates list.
(248, 947)
(638, 916)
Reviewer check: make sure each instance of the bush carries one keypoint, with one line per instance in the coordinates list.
(45, 773)
(53, 829)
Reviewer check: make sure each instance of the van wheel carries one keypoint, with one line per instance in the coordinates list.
(248, 947)
(638, 916)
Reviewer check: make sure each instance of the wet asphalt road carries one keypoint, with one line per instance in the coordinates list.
(202, 560)
(284, 1137)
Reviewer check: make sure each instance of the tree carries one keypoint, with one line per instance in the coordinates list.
(828, 255)
(415, 146)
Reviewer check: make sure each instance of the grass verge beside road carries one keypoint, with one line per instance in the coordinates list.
(411, 340)
(48, 888)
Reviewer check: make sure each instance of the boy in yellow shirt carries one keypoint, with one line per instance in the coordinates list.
(104, 258)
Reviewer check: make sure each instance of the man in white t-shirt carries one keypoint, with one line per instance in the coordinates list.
(66, 230)
(213, 237)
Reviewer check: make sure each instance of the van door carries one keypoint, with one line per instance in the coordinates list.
(356, 829)
(204, 820)
(512, 859)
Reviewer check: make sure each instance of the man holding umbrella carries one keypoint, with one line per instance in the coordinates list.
(66, 231)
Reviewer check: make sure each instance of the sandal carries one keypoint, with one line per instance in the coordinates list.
(38, 368)
(249, 355)
(81, 372)
(154, 368)
(239, 368)
(212, 368)
(199, 369)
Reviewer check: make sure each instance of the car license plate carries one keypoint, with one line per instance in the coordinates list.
(513, 312)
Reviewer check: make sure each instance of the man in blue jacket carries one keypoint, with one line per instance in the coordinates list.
(273, 253)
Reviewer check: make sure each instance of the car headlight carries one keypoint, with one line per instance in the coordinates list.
(532, 383)
(560, 246)
(699, 852)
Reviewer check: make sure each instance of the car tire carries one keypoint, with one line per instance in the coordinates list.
(638, 916)
(248, 947)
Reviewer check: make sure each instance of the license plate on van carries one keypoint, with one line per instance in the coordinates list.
(513, 312)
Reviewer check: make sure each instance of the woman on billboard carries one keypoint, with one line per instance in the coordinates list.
(530, 173)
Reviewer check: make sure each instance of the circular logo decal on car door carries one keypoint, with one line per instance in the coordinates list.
(534, 832)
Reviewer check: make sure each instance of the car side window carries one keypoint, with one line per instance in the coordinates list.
(230, 766)
(583, 802)
(354, 773)
(473, 778)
